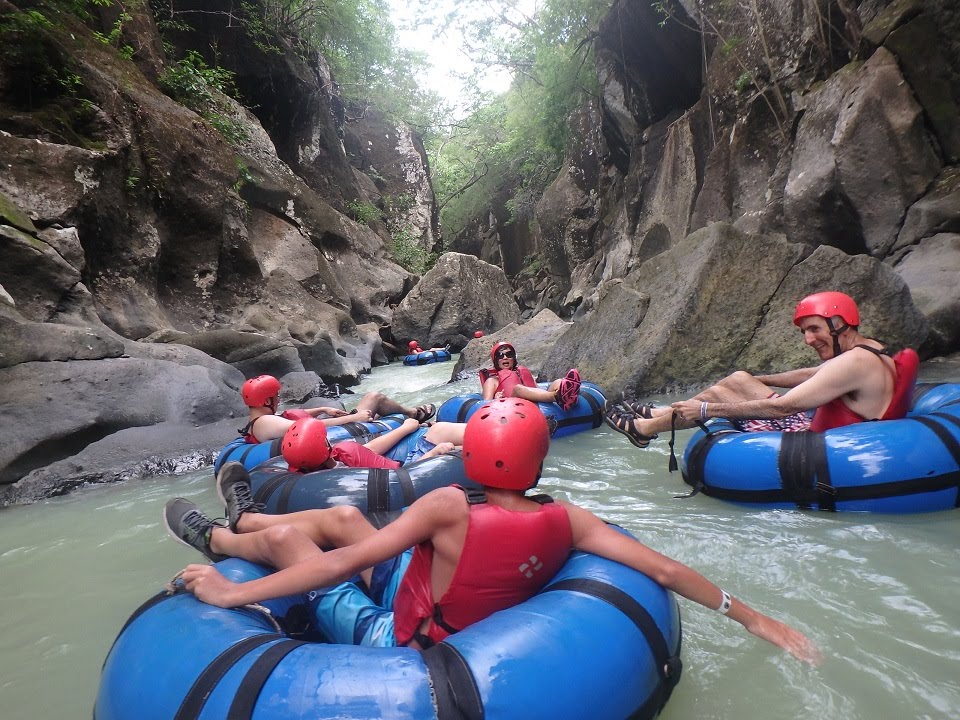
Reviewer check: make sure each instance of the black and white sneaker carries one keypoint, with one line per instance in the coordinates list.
(233, 487)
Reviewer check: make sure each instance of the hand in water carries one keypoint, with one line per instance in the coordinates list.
(786, 637)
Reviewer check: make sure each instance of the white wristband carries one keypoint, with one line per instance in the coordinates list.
(725, 603)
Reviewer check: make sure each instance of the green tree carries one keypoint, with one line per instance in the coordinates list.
(518, 138)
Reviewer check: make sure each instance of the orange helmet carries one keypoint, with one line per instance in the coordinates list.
(258, 391)
(504, 444)
(305, 446)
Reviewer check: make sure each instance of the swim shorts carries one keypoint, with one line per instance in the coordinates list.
(422, 447)
(798, 422)
(347, 615)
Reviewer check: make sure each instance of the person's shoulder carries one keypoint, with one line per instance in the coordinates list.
(448, 503)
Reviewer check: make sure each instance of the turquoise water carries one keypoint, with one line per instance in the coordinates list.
(879, 594)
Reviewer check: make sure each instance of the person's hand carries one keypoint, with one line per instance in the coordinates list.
(208, 585)
(786, 637)
(335, 412)
(498, 395)
(411, 424)
(363, 415)
(445, 447)
(688, 410)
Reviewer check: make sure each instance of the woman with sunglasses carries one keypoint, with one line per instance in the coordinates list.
(508, 378)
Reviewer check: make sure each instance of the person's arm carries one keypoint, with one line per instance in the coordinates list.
(441, 448)
(836, 377)
(329, 411)
(382, 443)
(592, 535)
(788, 379)
(431, 513)
(358, 416)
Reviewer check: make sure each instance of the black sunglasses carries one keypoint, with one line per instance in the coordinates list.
(506, 354)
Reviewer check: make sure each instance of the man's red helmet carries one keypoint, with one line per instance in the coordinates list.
(413, 344)
(504, 444)
(478, 333)
(258, 391)
(827, 305)
(304, 445)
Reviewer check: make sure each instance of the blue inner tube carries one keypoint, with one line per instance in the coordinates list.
(895, 466)
(380, 494)
(426, 357)
(601, 640)
(253, 454)
(586, 414)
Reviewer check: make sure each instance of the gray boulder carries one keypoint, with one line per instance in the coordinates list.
(855, 170)
(683, 317)
(887, 311)
(54, 410)
(534, 341)
(458, 296)
(931, 269)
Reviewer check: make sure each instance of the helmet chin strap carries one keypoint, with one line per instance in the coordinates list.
(835, 334)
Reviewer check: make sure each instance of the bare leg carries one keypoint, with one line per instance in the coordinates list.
(490, 388)
(536, 394)
(284, 540)
(446, 432)
(738, 387)
(379, 404)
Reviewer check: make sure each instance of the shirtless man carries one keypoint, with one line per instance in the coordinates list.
(445, 584)
(262, 396)
(857, 380)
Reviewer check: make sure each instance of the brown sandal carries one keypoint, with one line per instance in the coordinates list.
(623, 423)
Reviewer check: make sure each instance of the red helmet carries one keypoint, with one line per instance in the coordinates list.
(500, 346)
(504, 444)
(827, 305)
(478, 333)
(258, 391)
(413, 344)
(304, 446)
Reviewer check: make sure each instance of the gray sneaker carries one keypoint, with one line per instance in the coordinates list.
(233, 487)
(186, 524)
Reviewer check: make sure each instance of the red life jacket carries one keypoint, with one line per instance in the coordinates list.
(507, 557)
(509, 379)
(836, 414)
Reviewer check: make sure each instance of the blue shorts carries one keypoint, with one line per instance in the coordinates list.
(347, 615)
(422, 447)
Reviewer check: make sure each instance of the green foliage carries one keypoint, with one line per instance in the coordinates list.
(408, 254)
(515, 142)
(113, 37)
(363, 212)
(533, 265)
(744, 81)
(244, 176)
(193, 83)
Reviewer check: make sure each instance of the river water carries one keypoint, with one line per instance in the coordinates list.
(879, 594)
